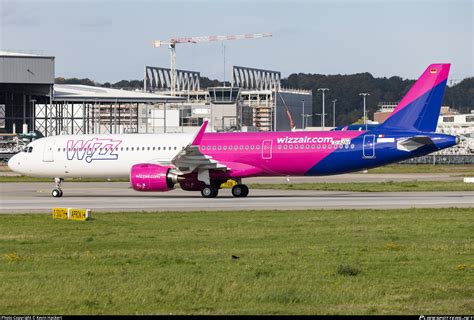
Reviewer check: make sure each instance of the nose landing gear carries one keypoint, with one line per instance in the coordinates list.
(57, 192)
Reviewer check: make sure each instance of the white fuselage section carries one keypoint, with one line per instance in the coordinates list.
(101, 156)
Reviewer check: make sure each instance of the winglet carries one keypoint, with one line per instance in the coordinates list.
(198, 137)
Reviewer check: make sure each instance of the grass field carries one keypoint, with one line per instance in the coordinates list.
(416, 261)
(424, 168)
(389, 186)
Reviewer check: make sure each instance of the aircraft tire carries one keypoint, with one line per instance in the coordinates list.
(240, 191)
(57, 193)
(209, 192)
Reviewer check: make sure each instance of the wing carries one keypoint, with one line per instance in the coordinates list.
(191, 158)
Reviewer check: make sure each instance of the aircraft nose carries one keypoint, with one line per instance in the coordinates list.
(14, 163)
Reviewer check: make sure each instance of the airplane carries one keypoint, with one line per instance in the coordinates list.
(159, 162)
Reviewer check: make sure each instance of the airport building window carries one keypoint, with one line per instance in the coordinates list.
(469, 118)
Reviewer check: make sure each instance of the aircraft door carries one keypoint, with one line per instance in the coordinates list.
(267, 149)
(48, 155)
(368, 150)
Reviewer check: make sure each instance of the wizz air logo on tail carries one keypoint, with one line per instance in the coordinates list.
(92, 149)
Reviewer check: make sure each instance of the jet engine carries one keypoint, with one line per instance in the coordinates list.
(152, 177)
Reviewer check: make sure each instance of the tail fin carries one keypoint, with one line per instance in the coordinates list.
(419, 109)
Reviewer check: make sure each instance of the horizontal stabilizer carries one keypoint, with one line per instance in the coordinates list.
(413, 143)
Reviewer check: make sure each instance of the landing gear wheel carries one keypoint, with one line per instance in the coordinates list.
(240, 191)
(57, 193)
(209, 192)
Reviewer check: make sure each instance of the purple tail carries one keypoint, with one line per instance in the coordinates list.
(419, 109)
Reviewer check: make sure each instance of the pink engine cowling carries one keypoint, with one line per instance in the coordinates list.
(152, 177)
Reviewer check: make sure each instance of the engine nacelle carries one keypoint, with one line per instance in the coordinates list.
(152, 177)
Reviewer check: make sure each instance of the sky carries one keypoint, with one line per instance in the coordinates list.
(108, 41)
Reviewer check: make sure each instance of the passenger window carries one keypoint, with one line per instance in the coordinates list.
(329, 146)
(213, 147)
(230, 147)
(313, 146)
(236, 147)
(203, 147)
(258, 147)
(64, 149)
(225, 148)
(126, 148)
(324, 146)
(252, 147)
(285, 147)
(307, 146)
(176, 148)
(246, 147)
(159, 148)
(319, 146)
(291, 146)
(219, 148)
(59, 149)
(279, 147)
(352, 146)
(131, 148)
(153, 148)
(241, 147)
(296, 146)
(169, 148)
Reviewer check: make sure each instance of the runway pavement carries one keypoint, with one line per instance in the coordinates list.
(117, 196)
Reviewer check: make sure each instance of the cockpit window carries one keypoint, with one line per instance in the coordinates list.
(25, 149)
(30, 149)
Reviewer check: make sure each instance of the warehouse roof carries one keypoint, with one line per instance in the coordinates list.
(82, 93)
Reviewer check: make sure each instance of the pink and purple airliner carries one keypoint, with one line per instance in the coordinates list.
(160, 162)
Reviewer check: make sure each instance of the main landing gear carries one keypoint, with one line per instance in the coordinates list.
(240, 191)
(57, 192)
(209, 191)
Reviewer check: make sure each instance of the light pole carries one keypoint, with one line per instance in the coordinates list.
(334, 113)
(306, 119)
(302, 115)
(322, 116)
(365, 118)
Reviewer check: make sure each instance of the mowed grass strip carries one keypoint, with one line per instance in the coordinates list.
(389, 186)
(416, 261)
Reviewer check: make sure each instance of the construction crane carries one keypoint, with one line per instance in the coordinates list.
(172, 46)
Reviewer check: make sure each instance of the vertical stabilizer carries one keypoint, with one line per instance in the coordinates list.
(419, 109)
